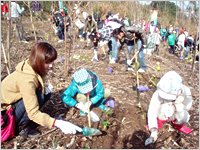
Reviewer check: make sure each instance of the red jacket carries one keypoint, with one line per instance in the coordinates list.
(4, 8)
(182, 31)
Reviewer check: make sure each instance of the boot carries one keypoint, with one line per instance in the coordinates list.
(181, 127)
(159, 123)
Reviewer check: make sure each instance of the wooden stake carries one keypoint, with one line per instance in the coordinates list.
(88, 97)
(6, 61)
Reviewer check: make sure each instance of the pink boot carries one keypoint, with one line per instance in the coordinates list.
(181, 128)
(159, 123)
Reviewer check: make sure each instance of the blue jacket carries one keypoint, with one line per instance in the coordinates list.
(95, 95)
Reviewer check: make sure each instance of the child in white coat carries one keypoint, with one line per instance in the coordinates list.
(170, 102)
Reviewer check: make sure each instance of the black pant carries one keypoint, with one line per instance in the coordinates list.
(171, 50)
(157, 50)
(21, 117)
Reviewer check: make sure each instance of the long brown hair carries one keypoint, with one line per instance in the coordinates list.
(41, 53)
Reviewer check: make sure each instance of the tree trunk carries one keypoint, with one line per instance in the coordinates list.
(31, 17)
(8, 36)
(176, 13)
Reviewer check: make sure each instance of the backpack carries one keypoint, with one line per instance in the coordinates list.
(7, 124)
(58, 19)
(100, 25)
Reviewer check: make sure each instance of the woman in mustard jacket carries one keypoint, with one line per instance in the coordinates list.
(25, 92)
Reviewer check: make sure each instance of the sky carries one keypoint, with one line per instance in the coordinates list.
(178, 3)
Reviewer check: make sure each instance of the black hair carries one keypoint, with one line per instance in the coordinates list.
(90, 16)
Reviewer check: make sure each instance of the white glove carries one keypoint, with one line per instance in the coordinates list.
(91, 30)
(48, 88)
(41, 9)
(144, 46)
(82, 107)
(152, 138)
(129, 62)
(88, 33)
(3, 13)
(86, 105)
(67, 127)
(33, 11)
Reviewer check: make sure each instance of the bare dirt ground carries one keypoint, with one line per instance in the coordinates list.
(127, 128)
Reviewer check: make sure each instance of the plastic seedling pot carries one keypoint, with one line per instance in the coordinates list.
(110, 70)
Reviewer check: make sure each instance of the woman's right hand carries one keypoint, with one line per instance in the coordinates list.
(67, 127)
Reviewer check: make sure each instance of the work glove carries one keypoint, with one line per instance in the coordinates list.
(82, 107)
(152, 138)
(48, 88)
(67, 127)
(86, 105)
(129, 62)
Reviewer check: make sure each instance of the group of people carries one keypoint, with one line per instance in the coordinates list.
(16, 13)
(24, 91)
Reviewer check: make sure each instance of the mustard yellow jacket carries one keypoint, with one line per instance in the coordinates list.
(22, 83)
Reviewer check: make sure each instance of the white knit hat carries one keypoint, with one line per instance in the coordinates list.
(169, 85)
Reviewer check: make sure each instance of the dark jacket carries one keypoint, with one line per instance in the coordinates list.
(128, 36)
(89, 26)
(36, 6)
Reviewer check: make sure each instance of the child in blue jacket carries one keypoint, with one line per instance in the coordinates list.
(76, 94)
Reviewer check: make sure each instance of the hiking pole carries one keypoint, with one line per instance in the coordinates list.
(89, 121)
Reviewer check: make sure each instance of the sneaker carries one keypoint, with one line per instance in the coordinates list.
(112, 61)
(130, 68)
(181, 57)
(24, 41)
(60, 41)
(28, 132)
(186, 58)
(141, 70)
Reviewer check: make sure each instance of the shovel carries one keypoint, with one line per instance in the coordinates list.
(87, 131)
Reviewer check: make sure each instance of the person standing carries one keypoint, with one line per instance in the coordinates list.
(4, 9)
(90, 27)
(171, 41)
(156, 40)
(37, 8)
(15, 18)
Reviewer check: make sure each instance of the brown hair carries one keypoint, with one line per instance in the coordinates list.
(41, 53)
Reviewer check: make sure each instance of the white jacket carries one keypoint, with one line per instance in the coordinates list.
(181, 103)
(156, 38)
(181, 40)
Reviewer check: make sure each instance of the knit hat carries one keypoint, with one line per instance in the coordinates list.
(83, 81)
(169, 84)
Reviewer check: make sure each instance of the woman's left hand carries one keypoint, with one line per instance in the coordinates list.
(48, 88)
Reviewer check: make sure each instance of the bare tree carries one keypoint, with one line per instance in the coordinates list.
(8, 36)
(31, 17)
